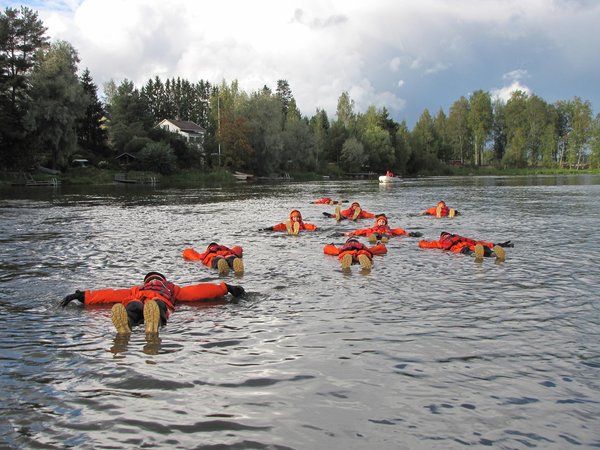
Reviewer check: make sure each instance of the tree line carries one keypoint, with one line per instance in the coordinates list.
(50, 113)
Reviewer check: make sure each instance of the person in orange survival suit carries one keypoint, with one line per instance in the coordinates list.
(150, 303)
(355, 212)
(354, 252)
(382, 231)
(218, 257)
(328, 201)
(294, 225)
(467, 246)
(440, 210)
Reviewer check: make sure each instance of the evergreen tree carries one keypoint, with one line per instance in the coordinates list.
(91, 130)
(22, 35)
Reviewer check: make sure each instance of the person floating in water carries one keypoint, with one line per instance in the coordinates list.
(150, 303)
(354, 252)
(218, 257)
(328, 201)
(381, 231)
(355, 212)
(467, 246)
(294, 225)
(440, 210)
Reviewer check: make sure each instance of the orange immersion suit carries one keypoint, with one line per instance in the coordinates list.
(454, 243)
(355, 248)
(155, 289)
(380, 229)
(349, 213)
(295, 216)
(212, 251)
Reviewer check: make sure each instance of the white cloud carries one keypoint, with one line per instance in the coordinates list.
(504, 93)
(324, 48)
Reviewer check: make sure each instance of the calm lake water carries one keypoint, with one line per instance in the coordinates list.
(429, 350)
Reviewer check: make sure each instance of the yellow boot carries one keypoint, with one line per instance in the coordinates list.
(119, 319)
(500, 253)
(338, 213)
(357, 212)
(365, 262)
(479, 252)
(222, 266)
(238, 265)
(151, 317)
(346, 261)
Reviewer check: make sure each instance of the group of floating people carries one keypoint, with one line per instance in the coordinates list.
(152, 302)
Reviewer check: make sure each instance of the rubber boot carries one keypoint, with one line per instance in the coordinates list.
(152, 316)
(119, 319)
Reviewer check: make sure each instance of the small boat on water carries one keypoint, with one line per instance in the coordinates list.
(389, 179)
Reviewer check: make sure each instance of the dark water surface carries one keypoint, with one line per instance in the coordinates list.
(428, 351)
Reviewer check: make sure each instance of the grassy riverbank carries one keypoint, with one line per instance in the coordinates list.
(191, 178)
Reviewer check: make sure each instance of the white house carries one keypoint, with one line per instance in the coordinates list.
(192, 132)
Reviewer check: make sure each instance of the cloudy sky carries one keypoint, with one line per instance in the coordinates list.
(406, 55)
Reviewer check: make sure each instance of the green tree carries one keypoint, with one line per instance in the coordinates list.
(345, 111)
(59, 103)
(480, 122)
(442, 131)
(595, 143)
(263, 114)
(516, 154)
(22, 36)
(158, 157)
(580, 134)
(319, 125)
(353, 156)
(91, 130)
(423, 143)
(459, 133)
(376, 141)
(129, 116)
(402, 150)
(499, 130)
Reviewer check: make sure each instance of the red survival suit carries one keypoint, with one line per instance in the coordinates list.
(325, 201)
(156, 289)
(354, 248)
(453, 242)
(349, 213)
(381, 228)
(212, 251)
(443, 208)
(295, 216)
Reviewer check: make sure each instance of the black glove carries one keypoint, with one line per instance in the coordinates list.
(78, 295)
(266, 229)
(236, 291)
(415, 234)
(506, 244)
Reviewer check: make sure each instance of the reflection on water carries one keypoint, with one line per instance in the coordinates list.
(428, 350)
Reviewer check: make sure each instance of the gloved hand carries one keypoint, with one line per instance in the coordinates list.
(415, 234)
(236, 291)
(506, 244)
(78, 295)
(266, 229)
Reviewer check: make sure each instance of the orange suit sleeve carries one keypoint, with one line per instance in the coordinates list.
(202, 291)
(109, 296)
(309, 226)
(430, 211)
(430, 244)
(379, 249)
(192, 255)
(361, 232)
(398, 232)
(331, 249)
(279, 227)
(367, 215)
